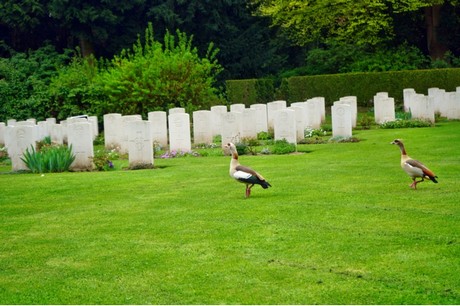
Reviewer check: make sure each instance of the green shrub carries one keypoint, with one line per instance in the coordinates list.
(49, 159)
(158, 76)
(402, 123)
(103, 159)
(24, 81)
(283, 147)
(3, 154)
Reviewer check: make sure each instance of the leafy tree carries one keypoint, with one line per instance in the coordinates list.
(155, 76)
(362, 23)
(24, 81)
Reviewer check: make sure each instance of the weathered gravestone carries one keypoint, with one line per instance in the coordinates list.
(422, 107)
(353, 102)
(341, 120)
(261, 117)
(284, 125)
(179, 132)
(238, 107)
(408, 93)
(113, 131)
(300, 109)
(18, 139)
(384, 109)
(231, 127)
(248, 128)
(125, 120)
(202, 131)
(216, 118)
(80, 138)
(176, 110)
(272, 108)
(314, 112)
(159, 127)
(56, 133)
(140, 151)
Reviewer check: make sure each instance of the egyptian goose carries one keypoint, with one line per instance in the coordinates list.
(244, 174)
(413, 167)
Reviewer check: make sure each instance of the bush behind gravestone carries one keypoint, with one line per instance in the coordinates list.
(155, 76)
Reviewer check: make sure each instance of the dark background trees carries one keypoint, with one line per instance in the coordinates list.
(255, 39)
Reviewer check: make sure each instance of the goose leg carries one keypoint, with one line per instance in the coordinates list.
(414, 184)
(248, 190)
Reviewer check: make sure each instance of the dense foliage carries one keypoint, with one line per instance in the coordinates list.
(150, 76)
(156, 76)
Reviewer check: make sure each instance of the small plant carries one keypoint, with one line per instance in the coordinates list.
(365, 122)
(3, 154)
(248, 145)
(103, 159)
(45, 142)
(264, 136)
(310, 132)
(265, 151)
(174, 154)
(400, 123)
(283, 147)
(49, 159)
(342, 139)
(241, 148)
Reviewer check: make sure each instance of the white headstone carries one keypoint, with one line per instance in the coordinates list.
(238, 107)
(422, 107)
(216, 118)
(261, 117)
(179, 132)
(353, 102)
(94, 124)
(42, 131)
(384, 109)
(18, 139)
(202, 131)
(284, 125)
(231, 127)
(408, 93)
(113, 131)
(248, 127)
(140, 150)
(159, 127)
(272, 108)
(124, 148)
(341, 120)
(314, 110)
(56, 133)
(300, 109)
(10, 122)
(80, 138)
(452, 105)
(176, 110)
(321, 107)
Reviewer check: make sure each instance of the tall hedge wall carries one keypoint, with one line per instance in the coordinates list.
(251, 91)
(362, 85)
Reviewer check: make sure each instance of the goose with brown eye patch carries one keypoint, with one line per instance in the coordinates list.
(413, 167)
(244, 174)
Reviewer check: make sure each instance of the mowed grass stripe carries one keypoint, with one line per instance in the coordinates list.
(339, 226)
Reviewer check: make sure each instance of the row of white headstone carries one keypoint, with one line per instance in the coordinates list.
(134, 136)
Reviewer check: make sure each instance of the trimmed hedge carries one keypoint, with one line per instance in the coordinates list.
(362, 85)
(251, 91)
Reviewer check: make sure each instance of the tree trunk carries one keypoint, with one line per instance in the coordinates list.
(436, 49)
(86, 47)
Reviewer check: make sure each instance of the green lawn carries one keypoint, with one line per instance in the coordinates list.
(339, 226)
